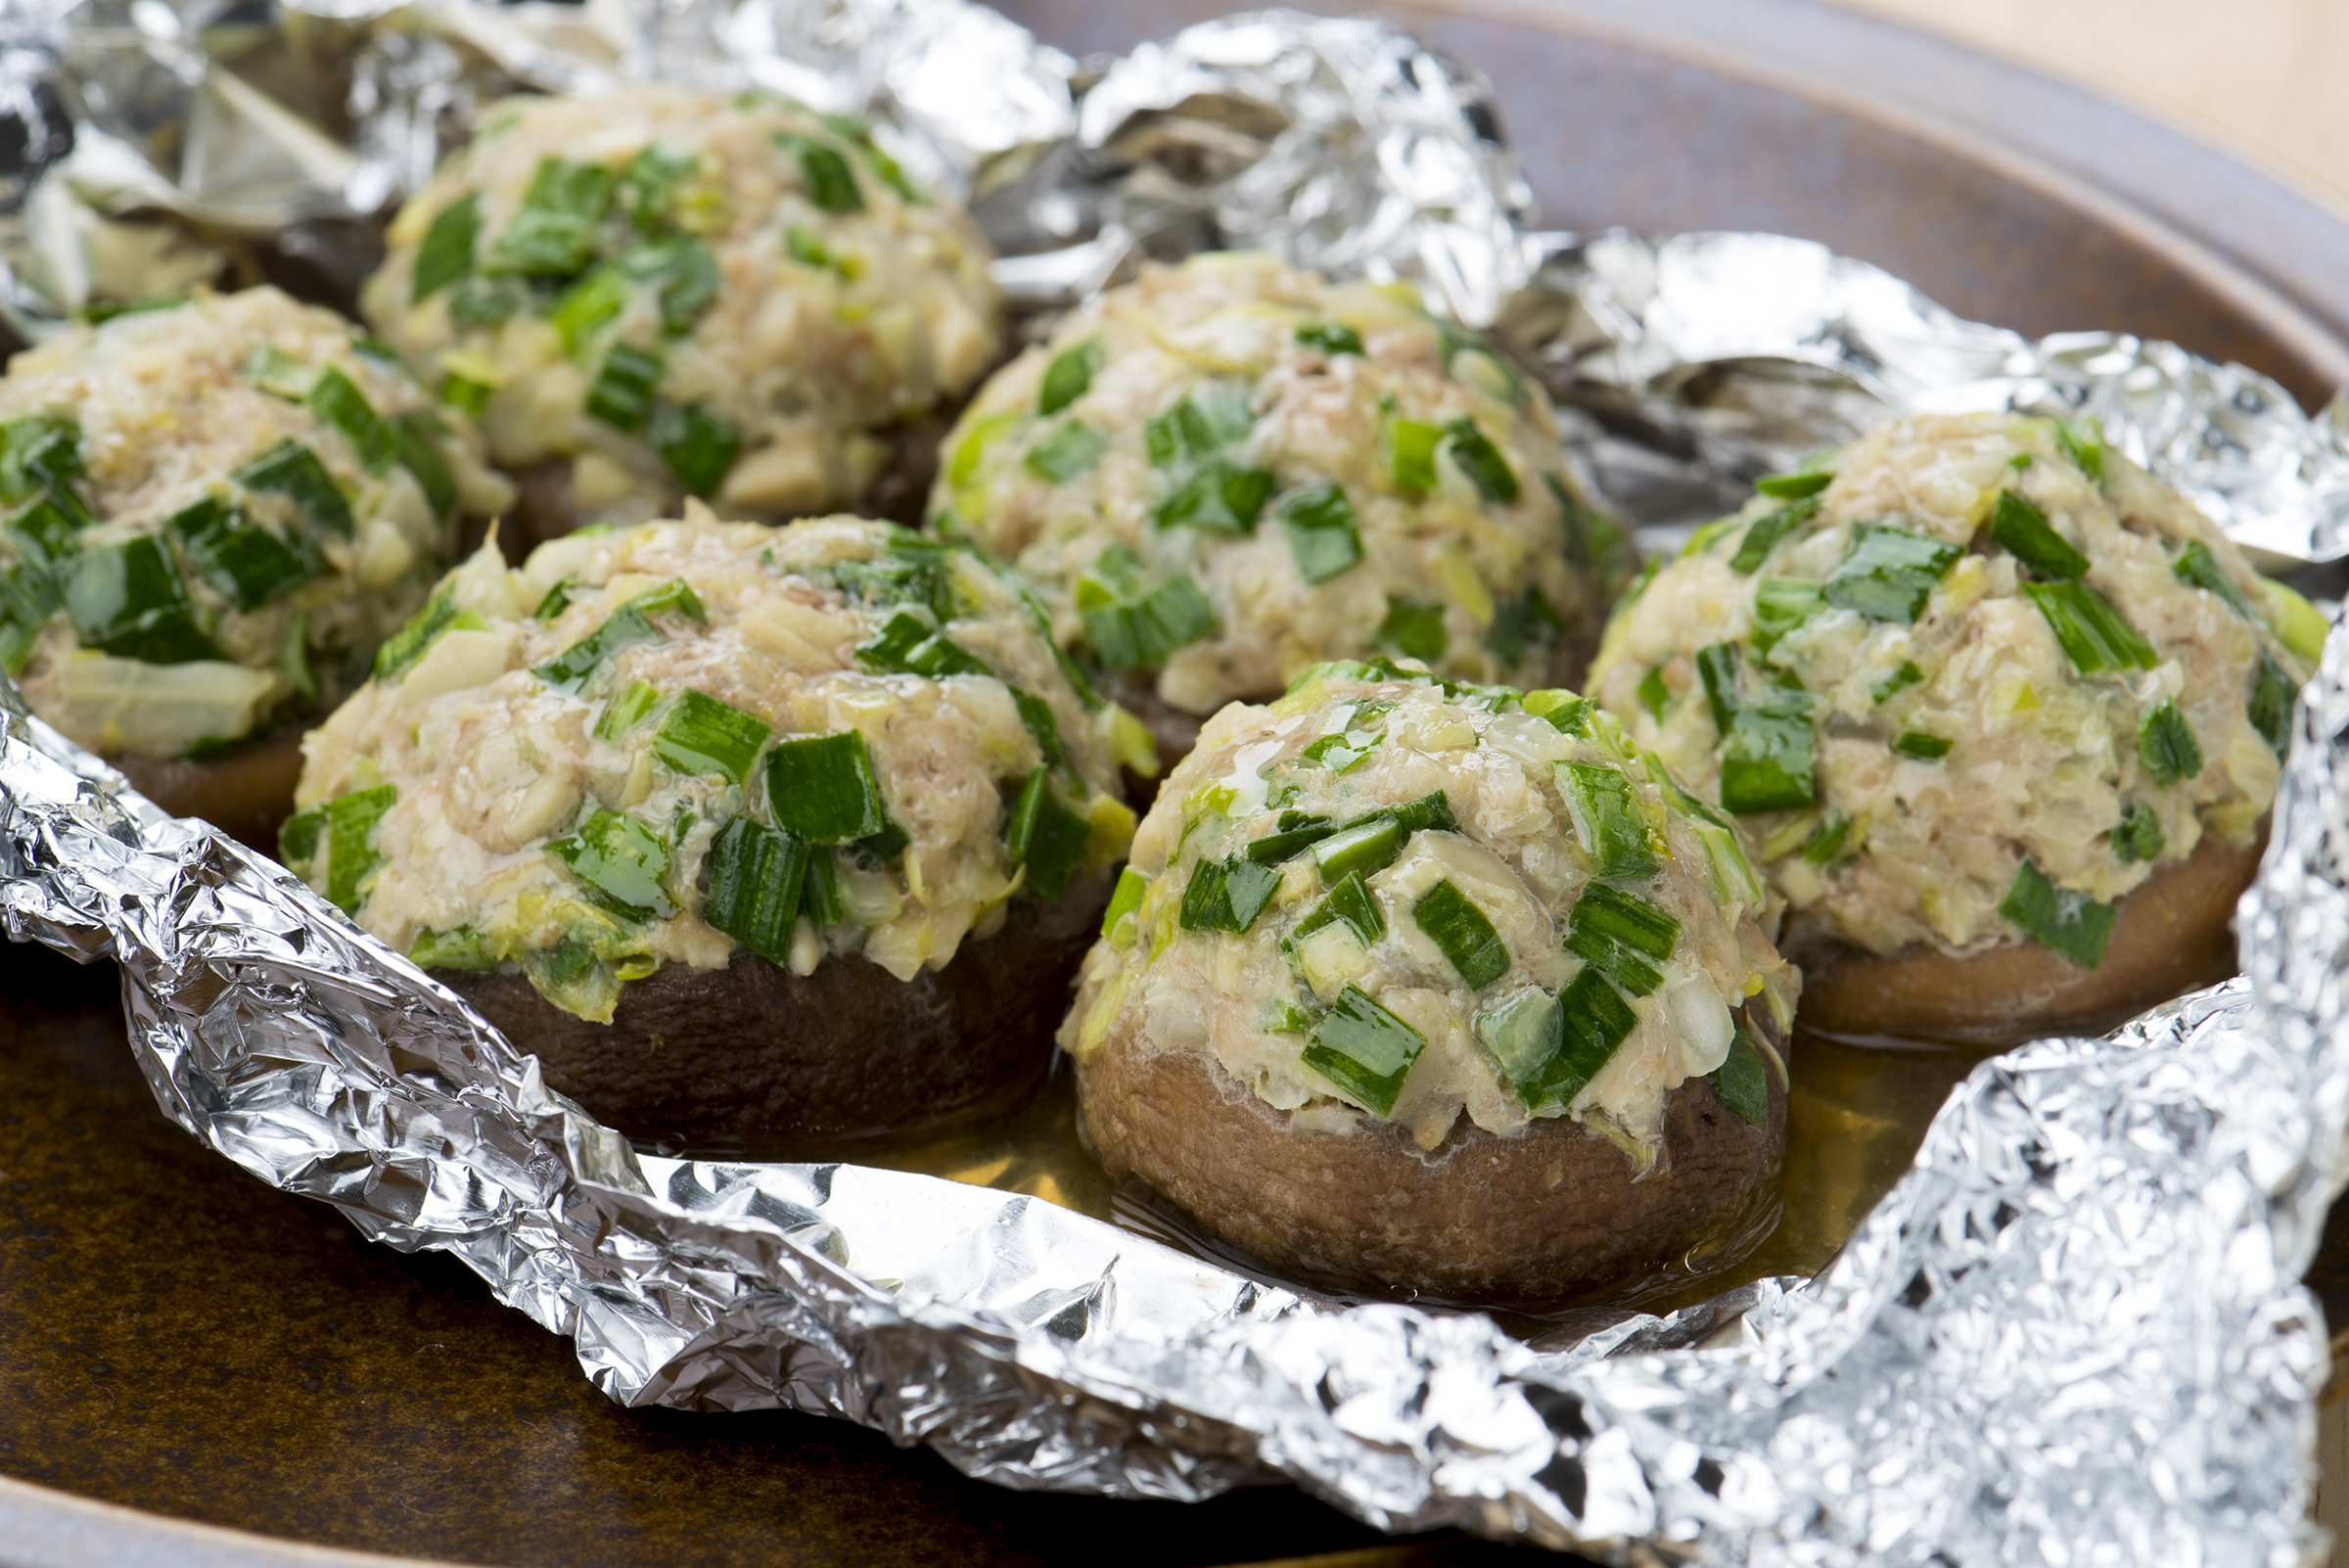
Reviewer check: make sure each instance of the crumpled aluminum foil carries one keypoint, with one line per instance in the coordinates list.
(2072, 1333)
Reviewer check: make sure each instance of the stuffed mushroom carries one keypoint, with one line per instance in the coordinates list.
(1231, 470)
(655, 292)
(1428, 988)
(213, 513)
(753, 836)
(2004, 711)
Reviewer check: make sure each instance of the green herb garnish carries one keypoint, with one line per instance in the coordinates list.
(621, 393)
(1888, 573)
(446, 253)
(1762, 535)
(1067, 452)
(127, 600)
(821, 787)
(1364, 1051)
(1226, 895)
(2198, 566)
(2166, 744)
(1622, 936)
(350, 854)
(1916, 743)
(701, 735)
(1414, 630)
(1069, 377)
(755, 878)
(2092, 632)
(1593, 1022)
(292, 471)
(2138, 836)
(1046, 836)
(554, 233)
(1608, 819)
(247, 565)
(1330, 336)
(1742, 1083)
(2069, 923)
(2023, 532)
(622, 860)
(1322, 531)
(1463, 934)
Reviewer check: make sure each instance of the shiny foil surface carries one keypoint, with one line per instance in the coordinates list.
(2073, 1333)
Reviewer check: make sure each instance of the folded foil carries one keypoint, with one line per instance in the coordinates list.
(2072, 1333)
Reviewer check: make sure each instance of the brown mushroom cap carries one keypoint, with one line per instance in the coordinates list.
(2169, 936)
(246, 792)
(1547, 1214)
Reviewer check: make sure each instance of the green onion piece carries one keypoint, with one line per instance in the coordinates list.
(1782, 604)
(1359, 849)
(884, 845)
(1349, 902)
(1067, 452)
(1340, 753)
(248, 566)
(294, 653)
(1795, 485)
(821, 787)
(1898, 682)
(1069, 377)
(458, 948)
(1463, 934)
(1218, 497)
(1364, 1051)
(1653, 693)
(420, 455)
(1528, 618)
(350, 855)
(819, 895)
(2083, 441)
(1742, 1083)
(1770, 756)
(831, 184)
(1330, 336)
(755, 879)
(336, 398)
(1323, 534)
(1717, 669)
(860, 135)
(446, 253)
(1199, 425)
(1608, 819)
(292, 471)
(280, 374)
(683, 273)
(1414, 630)
(2273, 693)
(621, 393)
(407, 645)
(697, 444)
(1593, 1022)
(627, 711)
(1426, 814)
(1826, 842)
(2166, 744)
(1764, 533)
(2092, 632)
(554, 233)
(1888, 575)
(45, 532)
(622, 860)
(808, 250)
(126, 599)
(701, 735)
(1523, 1032)
(2298, 625)
(2069, 923)
(1287, 1018)
(2196, 564)
(483, 302)
(1618, 934)
(1298, 832)
(1041, 725)
(1123, 904)
(1136, 633)
(1049, 839)
(557, 600)
(646, 183)
(1477, 457)
(907, 645)
(29, 597)
(2138, 836)
(2023, 532)
(297, 840)
(589, 305)
(1566, 712)
(569, 670)
(1916, 743)
(1227, 895)
(39, 454)
(470, 396)
(1411, 455)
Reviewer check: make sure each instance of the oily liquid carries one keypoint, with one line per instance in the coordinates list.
(1855, 1117)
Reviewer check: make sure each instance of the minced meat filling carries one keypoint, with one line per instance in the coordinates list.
(1968, 682)
(664, 744)
(1231, 470)
(1394, 896)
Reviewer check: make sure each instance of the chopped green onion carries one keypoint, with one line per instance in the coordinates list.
(569, 670)
(1888, 575)
(1566, 712)
(821, 787)
(420, 455)
(424, 629)
(1411, 455)
(1287, 1018)
(1136, 632)
(1618, 934)
(831, 184)
(1227, 895)
(1323, 534)
(1762, 535)
(2069, 923)
(646, 183)
(1782, 604)
(1364, 1051)
(336, 398)
(698, 445)
(1360, 847)
(1528, 618)
(1653, 693)
(683, 273)
(2298, 625)
(1330, 336)
(1298, 832)
(446, 253)
(2166, 744)
(292, 471)
(907, 645)
(248, 566)
(127, 600)
(1828, 842)
(819, 895)
(1898, 682)
(1069, 377)
(470, 396)
(2138, 836)
(2198, 566)
(622, 860)
(1340, 752)
(1794, 486)
(457, 949)
(351, 854)
(280, 374)
(2023, 532)
(1349, 902)
(554, 233)
(1608, 819)
(2083, 441)
(589, 305)
(1430, 813)
(1046, 836)
(1593, 1022)
(910, 571)
(1523, 1032)
(627, 711)
(1123, 905)
(1742, 1083)
(29, 597)
(701, 735)
(557, 600)
(1768, 758)
(1477, 457)
(2273, 693)
(621, 393)
(1041, 725)
(1067, 452)
(858, 134)
(1916, 743)
(1414, 630)
(808, 250)
(1198, 426)
(2092, 632)
(1463, 934)
(1218, 498)
(297, 840)
(45, 532)
(755, 879)
(39, 453)
(483, 302)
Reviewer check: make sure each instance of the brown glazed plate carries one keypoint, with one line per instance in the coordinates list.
(187, 1352)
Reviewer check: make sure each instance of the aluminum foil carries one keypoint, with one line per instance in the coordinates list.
(2073, 1333)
